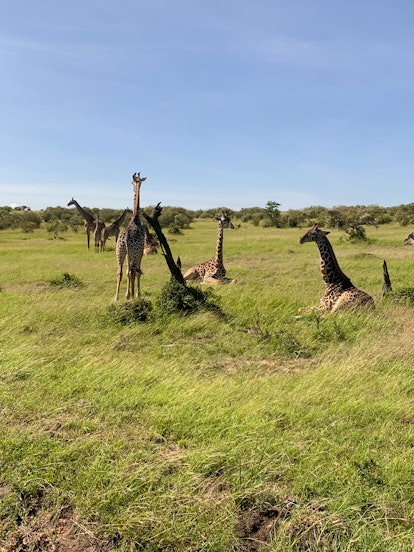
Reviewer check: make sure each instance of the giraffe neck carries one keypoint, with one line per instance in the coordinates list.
(119, 221)
(135, 214)
(331, 272)
(87, 216)
(218, 257)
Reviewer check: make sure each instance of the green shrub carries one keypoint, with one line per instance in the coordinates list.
(176, 297)
(66, 280)
(130, 312)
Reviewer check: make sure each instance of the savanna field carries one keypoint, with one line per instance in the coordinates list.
(238, 428)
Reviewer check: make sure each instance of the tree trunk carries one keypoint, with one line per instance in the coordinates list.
(165, 248)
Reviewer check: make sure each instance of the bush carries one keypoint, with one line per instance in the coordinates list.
(404, 295)
(130, 312)
(66, 280)
(176, 297)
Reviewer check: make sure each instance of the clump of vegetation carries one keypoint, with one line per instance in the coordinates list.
(174, 229)
(404, 295)
(130, 312)
(356, 232)
(66, 280)
(177, 297)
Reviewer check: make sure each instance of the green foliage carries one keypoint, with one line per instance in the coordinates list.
(174, 229)
(273, 213)
(405, 295)
(176, 217)
(178, 298)
(66, 280)
(130, 312)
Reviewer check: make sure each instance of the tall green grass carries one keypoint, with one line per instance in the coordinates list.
(246, 429)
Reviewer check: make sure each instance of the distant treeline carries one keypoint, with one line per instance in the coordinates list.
(175, 219)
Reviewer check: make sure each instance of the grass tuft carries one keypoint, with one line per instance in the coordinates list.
(66, 280)
(130, 312)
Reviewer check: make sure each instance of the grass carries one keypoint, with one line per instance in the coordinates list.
(229, 430)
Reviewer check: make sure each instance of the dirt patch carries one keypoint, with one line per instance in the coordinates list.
(256, 527)
(309, 527)
(43, 533)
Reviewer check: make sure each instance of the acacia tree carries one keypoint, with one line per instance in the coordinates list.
(273, 213)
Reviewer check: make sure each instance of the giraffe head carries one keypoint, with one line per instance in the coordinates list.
(137, 178)
(409, 240)
(225, 220)
(71, 202)
(313, 234)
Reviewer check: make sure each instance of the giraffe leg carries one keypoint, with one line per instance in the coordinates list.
(138, 273)
(130, 284)
(118, 283)
(88, 237)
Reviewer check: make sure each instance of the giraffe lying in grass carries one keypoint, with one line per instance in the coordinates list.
(339, 291)
(212, 271)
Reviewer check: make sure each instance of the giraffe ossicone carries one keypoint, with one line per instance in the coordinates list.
(339, 290)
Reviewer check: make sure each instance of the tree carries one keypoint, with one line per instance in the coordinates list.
(273, 213)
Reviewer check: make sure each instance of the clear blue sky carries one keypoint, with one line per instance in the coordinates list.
(219, 103)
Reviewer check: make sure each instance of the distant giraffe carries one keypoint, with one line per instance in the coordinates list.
(89, 218)
(409, 240)
(150, 243)
(112, 230)
(130, 245)
(99, 227)
(339, 291)
(212, 270)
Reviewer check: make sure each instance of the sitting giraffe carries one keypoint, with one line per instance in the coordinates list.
(150, 243)
(339, 291)
(212, 271)
(409, 240)
(112, 230)
(130, 245)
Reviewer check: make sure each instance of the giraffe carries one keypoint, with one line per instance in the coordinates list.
(112, 230)
(90, 220)
(150, 244)
(99, 227)
(130, 245)
(339, 291)
(409, 240)
(212, 271)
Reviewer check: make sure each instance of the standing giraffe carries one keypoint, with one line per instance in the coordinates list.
(99, 227)
(90, 223)
(130, 245)
(339, 291)
(212, 270)
(112, 230)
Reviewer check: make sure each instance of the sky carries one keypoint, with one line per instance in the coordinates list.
(228, 103)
